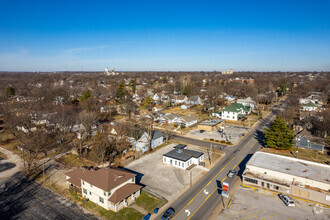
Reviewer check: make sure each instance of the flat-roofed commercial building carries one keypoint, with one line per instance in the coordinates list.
(182, 158)
(301, 178)
(210, 124)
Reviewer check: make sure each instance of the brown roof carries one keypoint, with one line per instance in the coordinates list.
(124, 192)
(103, 178)
(75, 177)
(180, 97)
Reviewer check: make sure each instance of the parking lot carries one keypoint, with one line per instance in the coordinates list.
(161, 178)
(249, 204)
(231, 133)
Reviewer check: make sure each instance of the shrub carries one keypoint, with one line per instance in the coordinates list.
(175, 125)
(211, 139)
(222, 141)
(217, 141)
(183, 126)
(229, 143)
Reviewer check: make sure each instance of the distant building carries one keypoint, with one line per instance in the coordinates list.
(305, 140)
(157, 138)
(182, 158)
(300, 178)
(249, 102)
(230, 71)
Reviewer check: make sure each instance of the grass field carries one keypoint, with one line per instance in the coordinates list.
(304, 154)
(147, 201)
(71, 160)
(123, 214)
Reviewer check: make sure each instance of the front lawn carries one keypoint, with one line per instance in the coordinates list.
(147, 201)
(123, 214)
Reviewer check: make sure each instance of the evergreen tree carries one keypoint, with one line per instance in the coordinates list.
(86, 95)
(121, 93)
(186, 90)
(9, 91)
(133, 85)
(147, 103)
(279, 135)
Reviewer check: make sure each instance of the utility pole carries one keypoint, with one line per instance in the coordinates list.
(190, 177)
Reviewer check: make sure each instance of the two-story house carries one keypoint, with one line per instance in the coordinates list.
(111, 188)
(235, 111)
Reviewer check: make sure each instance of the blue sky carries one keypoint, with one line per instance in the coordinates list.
(264, 35)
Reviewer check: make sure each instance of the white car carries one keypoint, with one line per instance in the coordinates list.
(231, 173)
(287, 200)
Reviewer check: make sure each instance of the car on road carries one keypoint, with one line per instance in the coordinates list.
(147, 216)
(168, 214)
(286, 199)
(201, 131)
(231, 173)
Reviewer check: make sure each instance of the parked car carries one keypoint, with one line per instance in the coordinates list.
(168, 214)
(201, 131)
(286, 199)
(231, 173)
(147, 216)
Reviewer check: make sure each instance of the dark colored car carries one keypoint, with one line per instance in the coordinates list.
(147, 216)
(168, 214)
(201, 131)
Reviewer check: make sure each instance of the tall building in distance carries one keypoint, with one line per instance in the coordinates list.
(107, 72)
(230, 71)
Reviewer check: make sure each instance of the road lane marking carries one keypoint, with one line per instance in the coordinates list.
(203, 203)
(187, 211)
(204, 187)
(254, 215)
(206, 192)
(213, 191)
(270, 216)
(241, 211)
(212, 180)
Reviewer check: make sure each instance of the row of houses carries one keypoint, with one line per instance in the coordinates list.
(171, 118)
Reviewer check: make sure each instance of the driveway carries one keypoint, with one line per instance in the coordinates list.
(12, 159)
(161, 178)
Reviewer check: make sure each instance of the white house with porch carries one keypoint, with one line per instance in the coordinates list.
(110, 188)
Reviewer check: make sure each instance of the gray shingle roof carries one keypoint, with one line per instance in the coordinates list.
(183, 154)
(156, 134)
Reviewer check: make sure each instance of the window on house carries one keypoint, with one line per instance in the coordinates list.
(109, 193)
(179, 163)
(83, 182)
(104, 193)
(90, 193)
(176, 162)
(276, 187)
(133, 179)
(164, 159)
(268, 185)
(101, 199)
(251, 180)
(91, 185)
(85, 191)
(182, 164)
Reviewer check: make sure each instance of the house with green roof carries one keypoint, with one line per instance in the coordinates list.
(310, 107)
(235, 111)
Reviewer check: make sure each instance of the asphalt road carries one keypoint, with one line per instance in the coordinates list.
(21, 198)
(200, 200)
